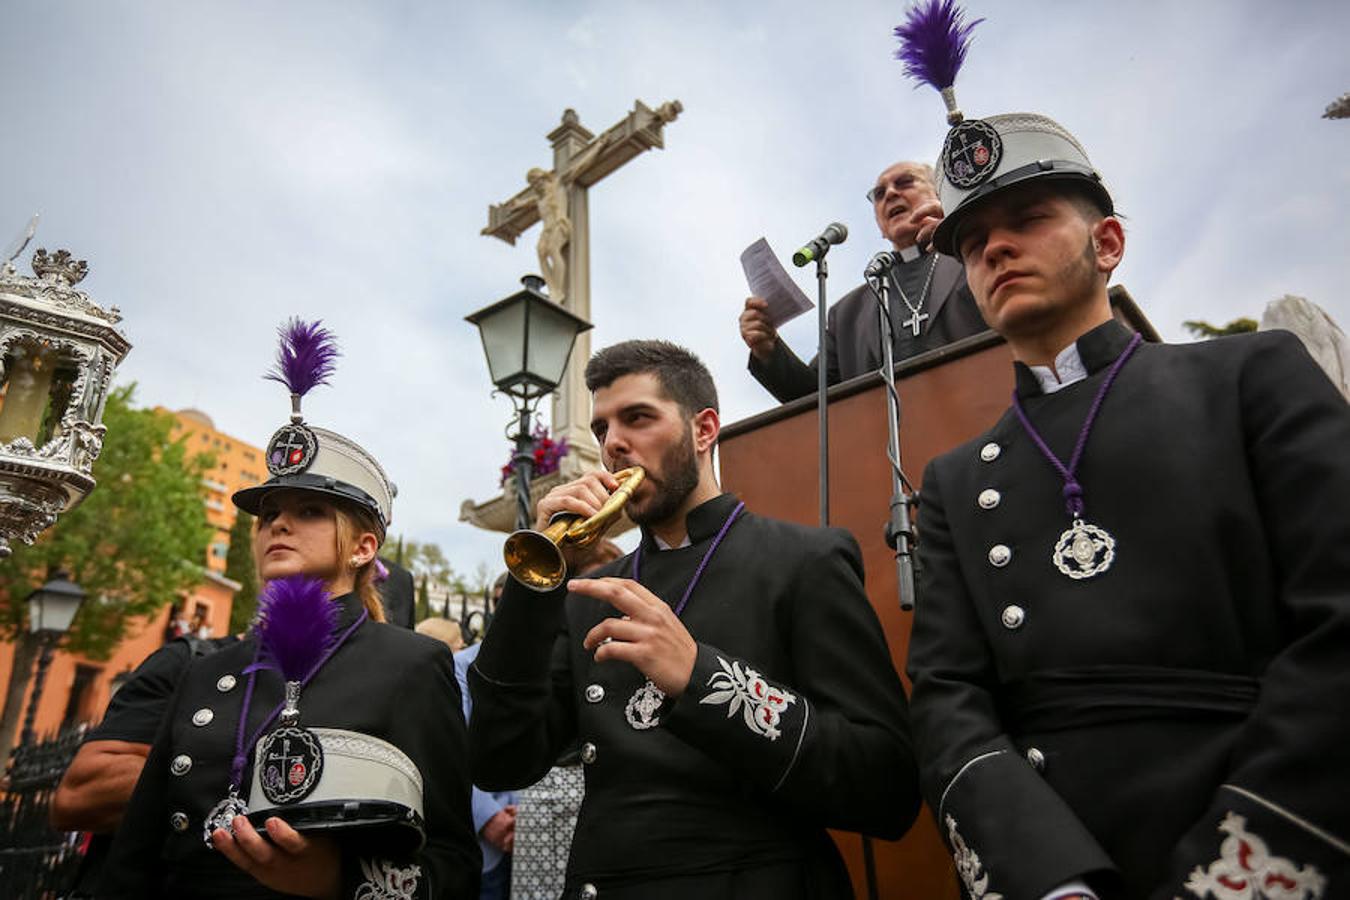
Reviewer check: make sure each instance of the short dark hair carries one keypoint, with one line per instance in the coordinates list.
(681, 374)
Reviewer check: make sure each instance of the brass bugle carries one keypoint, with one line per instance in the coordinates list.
(535, 558)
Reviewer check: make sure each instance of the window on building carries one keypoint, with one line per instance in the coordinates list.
(77, 703)
(220, 549)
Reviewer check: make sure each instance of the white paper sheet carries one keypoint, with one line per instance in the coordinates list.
(768, 279)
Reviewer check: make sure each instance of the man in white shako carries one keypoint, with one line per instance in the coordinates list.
(1129, 648)
(728, 681)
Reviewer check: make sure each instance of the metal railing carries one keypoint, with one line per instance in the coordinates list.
(37, 861)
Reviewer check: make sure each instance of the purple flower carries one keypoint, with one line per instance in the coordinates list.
(546, 451)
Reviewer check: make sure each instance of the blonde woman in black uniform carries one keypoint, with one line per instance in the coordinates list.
(324, 756)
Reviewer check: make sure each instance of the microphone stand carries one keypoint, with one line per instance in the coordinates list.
(899, 530)
(822, 386)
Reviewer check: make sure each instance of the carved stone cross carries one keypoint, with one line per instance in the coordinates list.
(558, 199)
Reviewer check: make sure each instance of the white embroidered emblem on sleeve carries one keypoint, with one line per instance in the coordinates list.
(761, 704)
(386, 881)
(968, 865)
(1245, 870)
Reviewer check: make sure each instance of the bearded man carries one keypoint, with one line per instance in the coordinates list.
(930, 303)
(728, 680)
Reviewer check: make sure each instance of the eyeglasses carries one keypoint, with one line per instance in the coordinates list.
(899, 182)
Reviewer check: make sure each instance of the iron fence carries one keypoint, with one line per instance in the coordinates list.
(36, 861)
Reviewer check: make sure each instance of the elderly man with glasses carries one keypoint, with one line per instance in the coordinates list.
(930, 303)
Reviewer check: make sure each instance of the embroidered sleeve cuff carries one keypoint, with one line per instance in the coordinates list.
(1010, 833)
(1250, 839)
(370, 878)
(733, 712)
(518, 647)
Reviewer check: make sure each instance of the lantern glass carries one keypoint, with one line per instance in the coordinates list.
(53, 606)
(503, 332)
(35, 390)
(552, 333)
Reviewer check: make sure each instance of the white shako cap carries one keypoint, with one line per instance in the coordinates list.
(365, 783)
(982, 157)
(338, 466)
(303, 457)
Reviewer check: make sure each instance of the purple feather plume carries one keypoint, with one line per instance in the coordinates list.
(933, 42)
(297, 624)
(307, 356)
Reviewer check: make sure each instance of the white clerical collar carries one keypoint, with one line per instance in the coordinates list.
(662, 545)
(1068, 365)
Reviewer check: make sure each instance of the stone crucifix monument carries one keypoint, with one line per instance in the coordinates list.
(557, 199)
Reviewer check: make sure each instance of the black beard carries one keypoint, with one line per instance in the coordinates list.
(674, 484)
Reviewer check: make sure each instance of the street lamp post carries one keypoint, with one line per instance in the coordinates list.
(51, 610)
(527, 339)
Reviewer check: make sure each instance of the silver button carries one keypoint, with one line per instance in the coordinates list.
(1013, 617)
(179, 821)
(180, 765)
(990, 451)
(594, 693)
(989, 498)
(1036, 758)
(588, 892)
(226, 683)
(588, 753)
(202, 716)
(1000, 555)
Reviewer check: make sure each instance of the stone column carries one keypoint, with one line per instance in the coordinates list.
(572, 402)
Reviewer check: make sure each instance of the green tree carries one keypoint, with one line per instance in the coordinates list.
(1202, 329)
(134, 544)
(239, 567)
(423, 609)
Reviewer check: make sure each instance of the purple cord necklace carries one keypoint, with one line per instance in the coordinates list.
(643, 707)
(1083, 550)
(223, 813)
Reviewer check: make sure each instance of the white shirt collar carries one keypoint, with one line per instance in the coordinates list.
(1068, 365)
(662, 545)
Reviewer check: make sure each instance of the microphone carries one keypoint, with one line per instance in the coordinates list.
(880, 264)
(834, 233)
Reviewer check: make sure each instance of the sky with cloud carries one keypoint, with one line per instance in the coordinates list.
(224, 165)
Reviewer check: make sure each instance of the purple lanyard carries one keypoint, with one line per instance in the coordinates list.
(688, 591)
(240, 753)
(1073, 491)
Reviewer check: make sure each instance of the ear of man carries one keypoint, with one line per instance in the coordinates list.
(1108, 243)
(707, 427)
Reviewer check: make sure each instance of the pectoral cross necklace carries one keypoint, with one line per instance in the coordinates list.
(916, 314)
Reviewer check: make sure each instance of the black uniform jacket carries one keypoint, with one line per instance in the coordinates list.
(1179, 719)
(383, 681)
(853, 334)
(794, 719)
(133, 715)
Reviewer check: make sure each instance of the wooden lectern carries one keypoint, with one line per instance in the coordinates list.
(947, 397)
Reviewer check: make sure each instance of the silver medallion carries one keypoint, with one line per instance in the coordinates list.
(222, 816)
(643, 705)
(1084, 550)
